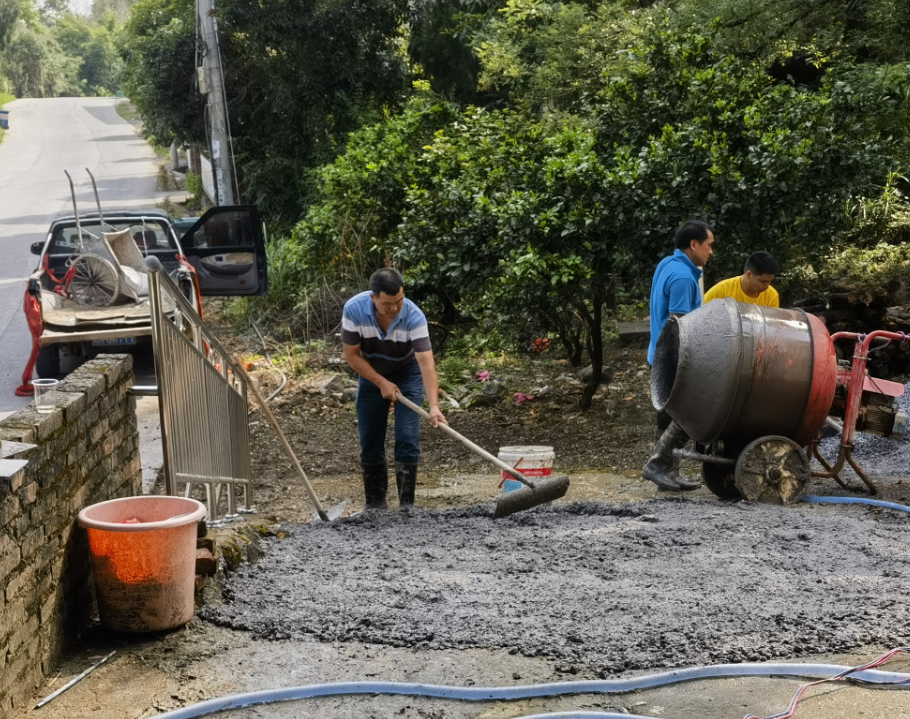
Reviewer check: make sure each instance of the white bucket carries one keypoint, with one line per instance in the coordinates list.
(531, 461)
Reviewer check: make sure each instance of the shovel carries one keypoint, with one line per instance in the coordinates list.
(532, 494)
(335, 511)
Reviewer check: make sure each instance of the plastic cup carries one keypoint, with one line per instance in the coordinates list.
(45, 394)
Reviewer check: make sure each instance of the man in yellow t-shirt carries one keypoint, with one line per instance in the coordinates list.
(753, 286)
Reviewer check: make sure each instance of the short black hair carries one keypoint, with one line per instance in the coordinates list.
(692, 230)
(386, 280)
(761, 263)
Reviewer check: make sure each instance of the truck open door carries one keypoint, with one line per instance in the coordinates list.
(226, 247)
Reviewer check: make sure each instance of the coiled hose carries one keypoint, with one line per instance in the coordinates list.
(533, 691)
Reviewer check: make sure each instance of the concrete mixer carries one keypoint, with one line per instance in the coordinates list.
(753, 386)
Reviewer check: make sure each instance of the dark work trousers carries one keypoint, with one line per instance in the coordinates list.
(373, 417)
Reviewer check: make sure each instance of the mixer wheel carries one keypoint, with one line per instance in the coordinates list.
(720, 479)
(772, 470)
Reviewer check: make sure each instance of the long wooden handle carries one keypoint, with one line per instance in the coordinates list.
(465, 441)
(284, 441)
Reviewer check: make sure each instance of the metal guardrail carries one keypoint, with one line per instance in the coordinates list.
(203, 404)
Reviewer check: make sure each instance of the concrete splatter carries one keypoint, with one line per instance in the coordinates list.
(665, 583)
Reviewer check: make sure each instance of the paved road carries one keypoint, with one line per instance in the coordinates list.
(47, 137)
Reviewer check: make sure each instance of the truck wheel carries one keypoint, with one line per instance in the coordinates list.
(47, 366)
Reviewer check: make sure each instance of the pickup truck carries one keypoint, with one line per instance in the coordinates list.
(72, 309)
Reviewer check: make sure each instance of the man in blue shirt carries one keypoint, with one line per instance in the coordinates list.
(675, 292)
(386, 342)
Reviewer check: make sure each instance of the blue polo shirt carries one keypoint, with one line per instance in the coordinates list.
(386, 351)
(674, 290)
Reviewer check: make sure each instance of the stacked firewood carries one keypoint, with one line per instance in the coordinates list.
(864, 307)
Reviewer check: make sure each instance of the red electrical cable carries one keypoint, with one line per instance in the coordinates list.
(843, 676)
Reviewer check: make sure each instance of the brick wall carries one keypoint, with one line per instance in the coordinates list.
(86, 451)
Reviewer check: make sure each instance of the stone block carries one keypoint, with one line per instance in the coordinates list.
(329, 385)
(85, 381)
(19, 526)
(31, 543)
(19, 581)
(90, 418)
(96, 433)
(206, 543)
(12, 473)
(73, 405)
(48, 425)
(205, 562)
(9, 507)
(10, 559)
(76, 452)
(17, 432)
(48, 608)
(17, 681)
(24, 634)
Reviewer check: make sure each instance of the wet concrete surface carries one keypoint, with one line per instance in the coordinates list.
(601, 588)
(723, 587)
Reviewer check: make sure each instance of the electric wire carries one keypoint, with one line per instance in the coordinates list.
(534, 691)
(843, 676)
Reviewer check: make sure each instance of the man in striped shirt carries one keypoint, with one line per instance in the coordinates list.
(386, 342)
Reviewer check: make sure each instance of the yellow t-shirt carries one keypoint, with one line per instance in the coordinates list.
(733, 288)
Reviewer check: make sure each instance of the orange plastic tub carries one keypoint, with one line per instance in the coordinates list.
(144, 560)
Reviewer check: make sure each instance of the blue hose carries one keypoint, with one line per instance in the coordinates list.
(855, 500)
(533, 691)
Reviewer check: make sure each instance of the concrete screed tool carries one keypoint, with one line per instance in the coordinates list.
(532, 494)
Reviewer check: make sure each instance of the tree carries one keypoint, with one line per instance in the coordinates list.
(440, 43)
(37, 67)
(92, 43)
(361, 197)
(538, 221)
(865, 30)
(508, 221)
(158, 47)
(302, 75)
(9, 15)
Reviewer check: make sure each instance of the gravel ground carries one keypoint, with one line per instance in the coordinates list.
(600, 588)
(878, 456)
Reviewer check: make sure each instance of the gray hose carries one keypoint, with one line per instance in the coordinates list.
(533, 691)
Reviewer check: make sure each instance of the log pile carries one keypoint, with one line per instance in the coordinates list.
(865, 307)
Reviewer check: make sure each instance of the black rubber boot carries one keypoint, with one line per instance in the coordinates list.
(663, 467)
(406, 478)
(375, 484)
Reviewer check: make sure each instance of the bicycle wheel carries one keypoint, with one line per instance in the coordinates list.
(95, 282)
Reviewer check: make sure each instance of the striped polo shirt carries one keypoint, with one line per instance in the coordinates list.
(390, 350)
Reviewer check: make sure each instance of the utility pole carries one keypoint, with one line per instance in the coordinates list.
(211, 84)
